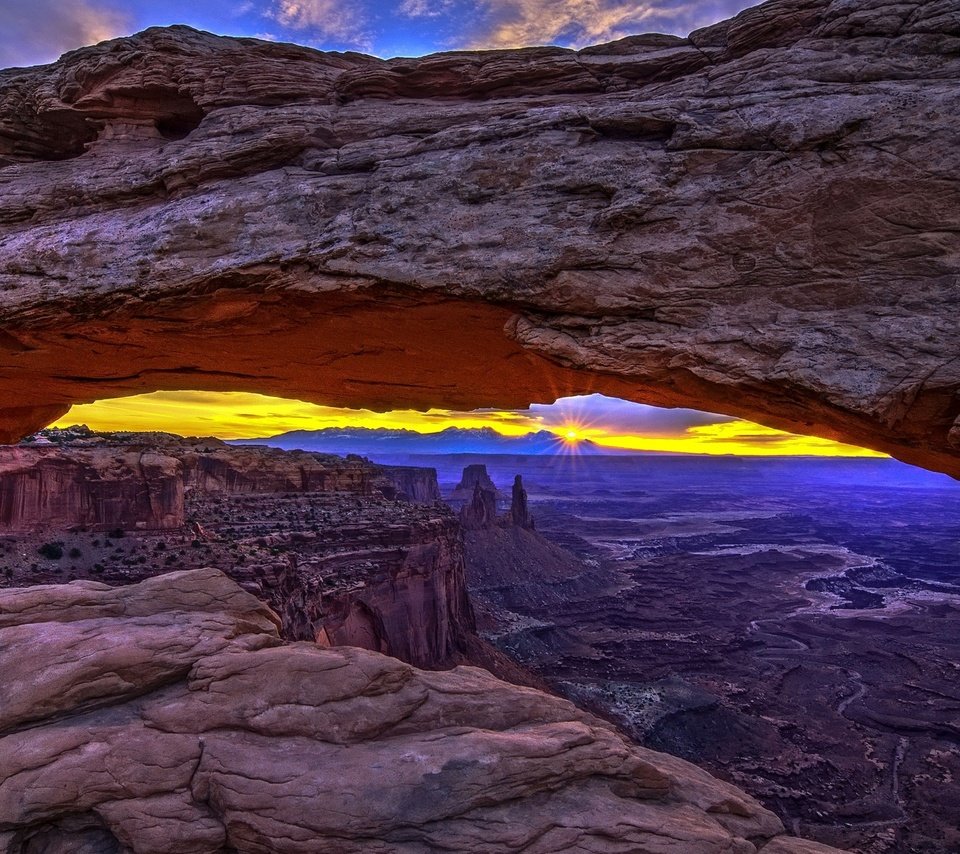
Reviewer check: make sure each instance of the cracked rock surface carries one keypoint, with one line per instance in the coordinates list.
(762, 219)
(168, 715)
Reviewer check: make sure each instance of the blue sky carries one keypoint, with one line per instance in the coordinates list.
(37, 31)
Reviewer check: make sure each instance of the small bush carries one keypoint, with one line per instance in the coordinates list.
(51, 551)
(116, 534)
(75, 553)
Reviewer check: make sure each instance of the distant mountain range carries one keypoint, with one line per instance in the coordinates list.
(454, 440)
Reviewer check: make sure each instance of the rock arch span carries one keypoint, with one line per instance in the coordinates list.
(761, 219)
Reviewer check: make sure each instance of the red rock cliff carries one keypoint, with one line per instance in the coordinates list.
(346, 552)
(131, 488)
(138, 481)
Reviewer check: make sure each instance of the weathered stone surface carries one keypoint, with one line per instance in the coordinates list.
(252, 746)
(481, 510)
(123, 487)
(336, 546)
(761, 219)
(474, 475)
(137, 481)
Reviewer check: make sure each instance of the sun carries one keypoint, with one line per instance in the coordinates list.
(571, 435)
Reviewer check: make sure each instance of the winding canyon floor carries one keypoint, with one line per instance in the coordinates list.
(790, 625)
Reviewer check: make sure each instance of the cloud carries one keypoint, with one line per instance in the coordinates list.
(37, 31)
(614, 416)
(425, 8)
(326, 20)
(576, 23)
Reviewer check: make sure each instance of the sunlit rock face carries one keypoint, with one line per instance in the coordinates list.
(761, 219)
(168, 715)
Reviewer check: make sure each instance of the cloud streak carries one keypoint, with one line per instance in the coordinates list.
(577, 23)
(322, 21)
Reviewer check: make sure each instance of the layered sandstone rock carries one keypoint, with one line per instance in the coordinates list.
(44, 489)
(346, 552)
(169, 716)
(481, 510)
(376, 575)
(477, 495)
(138, 481)
(474, 475)
(760, 219)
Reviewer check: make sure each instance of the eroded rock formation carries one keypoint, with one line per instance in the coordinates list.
(520, 515)
(134, 488)
(481, 510)
(474, 475)
(760, 219)
(137, 481)
(168, 715)
(333, 545)
(476, 496)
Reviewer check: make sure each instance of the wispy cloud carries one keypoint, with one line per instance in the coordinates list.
(324, 21)
(425, 8)
(33, 31)
(576, 23)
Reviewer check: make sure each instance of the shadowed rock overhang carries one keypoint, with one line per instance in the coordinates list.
(761, 219)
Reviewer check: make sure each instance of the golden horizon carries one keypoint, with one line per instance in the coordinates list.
(245, 415)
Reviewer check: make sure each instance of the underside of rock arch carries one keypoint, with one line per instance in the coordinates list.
(762, 219)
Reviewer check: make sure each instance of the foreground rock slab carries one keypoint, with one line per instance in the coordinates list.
(761, 219)
(168, 715)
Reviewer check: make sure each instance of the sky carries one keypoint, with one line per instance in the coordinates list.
(39, 31)
(604, 420)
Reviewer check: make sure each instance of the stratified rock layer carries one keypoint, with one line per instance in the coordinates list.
(137, 481)
(168, 715)
(761, 219)
(133, 488)
(336, 546)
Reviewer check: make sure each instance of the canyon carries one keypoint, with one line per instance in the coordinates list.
(157, 701)
(760, 219)
(787, 624)
(346, 552)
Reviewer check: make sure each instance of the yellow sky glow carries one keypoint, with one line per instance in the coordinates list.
(238, 415)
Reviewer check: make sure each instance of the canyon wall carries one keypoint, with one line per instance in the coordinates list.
(138, 481)
(760, 219)
(345, 551)
(129, 488)
(414, 605)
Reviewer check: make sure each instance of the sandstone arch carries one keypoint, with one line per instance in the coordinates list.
(761, 219)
